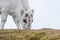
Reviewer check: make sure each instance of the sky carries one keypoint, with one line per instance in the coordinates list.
(46, 15)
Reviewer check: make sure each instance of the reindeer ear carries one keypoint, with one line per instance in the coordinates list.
(33, 11)
(22, 12)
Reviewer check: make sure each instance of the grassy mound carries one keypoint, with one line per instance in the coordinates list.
(42, 34)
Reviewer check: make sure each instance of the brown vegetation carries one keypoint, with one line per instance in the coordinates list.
(42, 34)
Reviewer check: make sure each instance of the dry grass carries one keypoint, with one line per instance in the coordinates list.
(42, 34)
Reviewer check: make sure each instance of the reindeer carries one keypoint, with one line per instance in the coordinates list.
(19, 12)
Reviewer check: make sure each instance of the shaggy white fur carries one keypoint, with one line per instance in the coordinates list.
(16, 8)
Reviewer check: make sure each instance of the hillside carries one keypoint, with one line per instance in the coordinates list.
(41, 34)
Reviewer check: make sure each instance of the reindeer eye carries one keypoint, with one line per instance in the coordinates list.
(26, 15)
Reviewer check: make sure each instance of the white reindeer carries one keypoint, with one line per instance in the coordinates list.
(27, 19)
(20, 12)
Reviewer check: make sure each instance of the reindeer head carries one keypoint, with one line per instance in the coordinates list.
(27, 17)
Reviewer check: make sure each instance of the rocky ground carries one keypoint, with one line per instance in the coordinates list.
(41, 34)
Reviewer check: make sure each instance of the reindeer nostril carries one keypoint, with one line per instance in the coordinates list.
(29, 20)
(25, 21)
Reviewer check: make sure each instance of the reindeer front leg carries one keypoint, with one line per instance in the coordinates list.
(3, 19)
(23, 26)
(16, 20)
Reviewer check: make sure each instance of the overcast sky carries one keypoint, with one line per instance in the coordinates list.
(46, 15)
